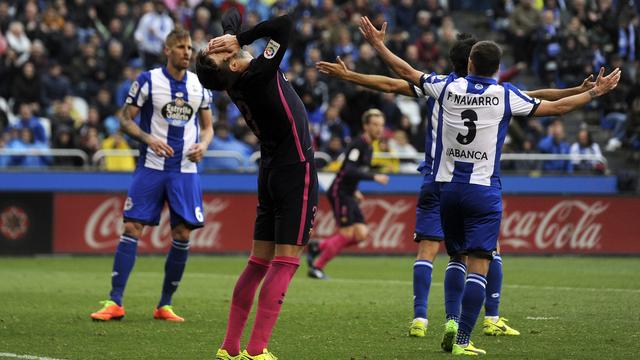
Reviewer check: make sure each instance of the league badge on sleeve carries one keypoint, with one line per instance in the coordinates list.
(271, 50)
(133, 90)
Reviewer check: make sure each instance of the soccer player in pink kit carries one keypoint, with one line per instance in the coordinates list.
(287, 180)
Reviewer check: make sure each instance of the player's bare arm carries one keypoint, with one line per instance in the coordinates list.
(557, 94)
(375, 82)
(604, 84)
(197, 150)
(375, 37)
(130, 128)
(382, 179)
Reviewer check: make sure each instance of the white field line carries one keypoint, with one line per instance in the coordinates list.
(28, 357)
(408, 282)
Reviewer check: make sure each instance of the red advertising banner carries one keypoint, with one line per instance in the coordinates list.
(85, 223)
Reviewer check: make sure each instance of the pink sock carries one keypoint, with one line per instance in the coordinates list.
(242, 301)
(270, 301)
(333, 246)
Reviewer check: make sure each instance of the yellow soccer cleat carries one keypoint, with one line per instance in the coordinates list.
(266, 355)
(449, 337)
(498, 328)
(468, 350)
(166, 313)
(222, 354)
(110, 311)
(418, 328)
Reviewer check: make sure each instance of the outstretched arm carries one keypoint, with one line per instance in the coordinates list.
(376, 39)
(557, 94)
(563, 106)
(375, 82)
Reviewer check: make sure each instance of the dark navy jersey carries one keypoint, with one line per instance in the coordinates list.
(270, 106)
(355, 167)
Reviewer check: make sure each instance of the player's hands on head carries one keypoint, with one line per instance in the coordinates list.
(196, 152)
(607, 83)
(338, 69)
(381, 179)
(159, 147)
(370, 33)
(226, 44)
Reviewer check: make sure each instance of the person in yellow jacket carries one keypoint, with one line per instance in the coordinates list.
(116, 141)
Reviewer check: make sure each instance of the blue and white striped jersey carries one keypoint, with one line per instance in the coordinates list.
(473, 115)
(169, 111)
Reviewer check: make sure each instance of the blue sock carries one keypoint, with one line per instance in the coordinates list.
(123, 263)
(494, 285)
(472, 299)
(173, 269)
(453, 287)
(422, 270)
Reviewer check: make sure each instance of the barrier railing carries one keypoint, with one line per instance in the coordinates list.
(98, 158)
(53, 153)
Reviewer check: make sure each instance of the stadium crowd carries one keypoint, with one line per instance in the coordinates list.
(67, 65)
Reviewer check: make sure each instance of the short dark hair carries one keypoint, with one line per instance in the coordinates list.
(485, 56)
(176, 34)
(212, 76)
(459, 53)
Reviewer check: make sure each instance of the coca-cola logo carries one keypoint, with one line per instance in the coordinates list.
(104, 227)
(386, 230)
(569, 224)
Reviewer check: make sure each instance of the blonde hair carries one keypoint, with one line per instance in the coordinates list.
(176, 34)
(370, 113)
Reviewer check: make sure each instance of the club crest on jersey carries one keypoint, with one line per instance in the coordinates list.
(479, 86)
(271, 50)
(178, 112)
(128, 204)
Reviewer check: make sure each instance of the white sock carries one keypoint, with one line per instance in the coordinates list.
(494, 319)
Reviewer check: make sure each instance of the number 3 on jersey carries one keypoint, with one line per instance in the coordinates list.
(471, 117)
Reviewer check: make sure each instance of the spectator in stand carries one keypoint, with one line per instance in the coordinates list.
(29, 121)
(554, 143)
(114, 63)
(61, 117)
(19, 42)
(24, 141)
(64, 139)
(104, 104)
(428, 52)
(152, 29)
(55, 85)
(116, 141)
(127, 77)
(615, 106)
(523, 23)
(89, 141)
(27, 88)
(332, 126)
(406, 15)
(334, 147)
(399, 145)
(586, 146)
(224, 140)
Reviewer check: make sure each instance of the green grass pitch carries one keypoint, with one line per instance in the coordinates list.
(565, 308)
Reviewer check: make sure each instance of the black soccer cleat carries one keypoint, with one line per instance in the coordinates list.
(316, 273)
(313, 250)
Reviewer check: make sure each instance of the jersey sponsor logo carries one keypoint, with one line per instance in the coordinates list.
(473, 100)
(354, 154)
(133, 90)
(178, 112)
(478, 86)
(271, 50)
(467, 154)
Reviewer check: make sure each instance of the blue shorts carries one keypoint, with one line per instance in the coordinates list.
(471, 216)
(428, 224)
(151, 188)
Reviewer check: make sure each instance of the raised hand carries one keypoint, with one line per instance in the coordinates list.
(370, 33)
(338, 69)
(600, 76)
(587, 84)
(606, 83)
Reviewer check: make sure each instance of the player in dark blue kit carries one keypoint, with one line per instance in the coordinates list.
(344, 196)
(287, 180)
